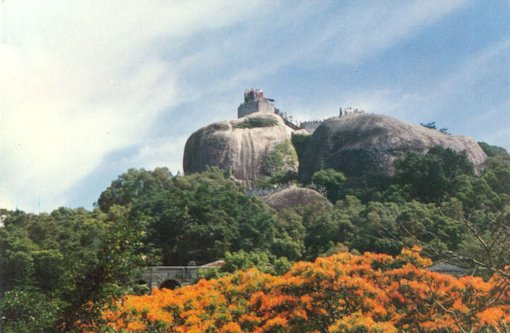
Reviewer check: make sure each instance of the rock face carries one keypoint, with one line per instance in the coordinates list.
(368, 144)
(294, 197)
(250, 147)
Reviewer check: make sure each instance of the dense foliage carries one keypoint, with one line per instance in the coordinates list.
(62, 268)
(341, 293)
(59, 270)
(329, 182)
(430, 177)
(197, 217)
(242, 260)
(434, 200)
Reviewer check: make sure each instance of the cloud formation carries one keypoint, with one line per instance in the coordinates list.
(91, 88)
(81, 79)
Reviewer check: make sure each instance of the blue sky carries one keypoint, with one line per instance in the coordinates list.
(90, 89)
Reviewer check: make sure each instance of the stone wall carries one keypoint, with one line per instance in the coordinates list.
(310, 126)
(247, 108)
(156, 275)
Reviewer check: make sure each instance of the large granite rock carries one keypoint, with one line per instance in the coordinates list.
(250, 147)
(293, 197)
(368, 144)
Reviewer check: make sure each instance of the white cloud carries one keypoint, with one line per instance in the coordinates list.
(311, 35)
(81, 79)
(368, 27)
(56, 126)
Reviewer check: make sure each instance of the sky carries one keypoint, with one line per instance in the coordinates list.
(90, 89)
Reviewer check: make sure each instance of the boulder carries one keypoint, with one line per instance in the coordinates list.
(362, 144)
(294, 196)
(254, 146)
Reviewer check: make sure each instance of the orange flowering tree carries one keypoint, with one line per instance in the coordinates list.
(340, 293)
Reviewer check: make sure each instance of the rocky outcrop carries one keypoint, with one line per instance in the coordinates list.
(250, 147)
(368, 144)
(293, 197)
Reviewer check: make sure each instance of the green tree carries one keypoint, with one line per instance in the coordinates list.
(326, 228)
(71, 262)
(291, 232)
(492, 151)
(132, 185)
(329, 181)
(112, 269)
(242, 260)
(432, 125)
(28, 311)
(430, 177)
(197, 217)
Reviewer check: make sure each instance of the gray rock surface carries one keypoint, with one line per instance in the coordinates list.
(246, 147)
(368, 144)
(294, 197)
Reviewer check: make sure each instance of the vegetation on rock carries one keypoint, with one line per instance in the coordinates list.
(254, 122)
(242, 149)
(368, 144)
(281, 158)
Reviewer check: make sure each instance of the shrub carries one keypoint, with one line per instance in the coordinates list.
(257, 122)
(341, 293)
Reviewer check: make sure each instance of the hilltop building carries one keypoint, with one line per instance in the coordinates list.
(349, 110)
(255, 101)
